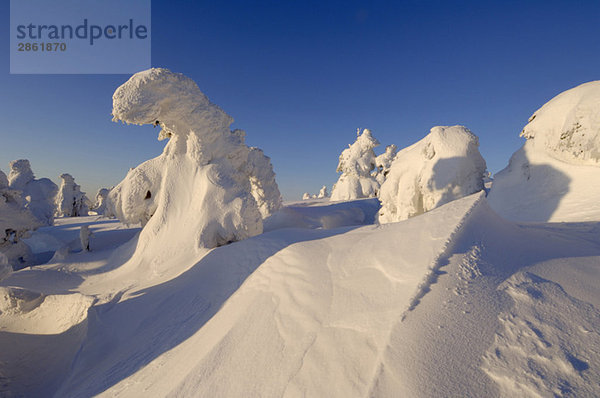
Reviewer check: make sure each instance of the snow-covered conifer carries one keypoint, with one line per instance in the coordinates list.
(444, 166)
(39, 194)
(70, 201)
(383, 163)
(356, 163)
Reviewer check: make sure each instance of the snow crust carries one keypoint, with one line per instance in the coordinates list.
(444, 166)
(356, 163)
(39, 194)
(70, 201)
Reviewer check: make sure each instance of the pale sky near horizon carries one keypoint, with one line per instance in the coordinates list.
(301, 77)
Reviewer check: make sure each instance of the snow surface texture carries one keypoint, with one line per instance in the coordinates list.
(38, 193)
(70, 201)
(99, 206)
(207, 188)
(383, 163)
(444, 166)
(356, 163)
(551, 177)
(16, 221)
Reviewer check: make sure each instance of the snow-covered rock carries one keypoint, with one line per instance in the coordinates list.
(207, 188)
(356, 163)
(383, 163)
(70, 201)
(444, 166)
(551, 177)
(16, 221)
(100, 203)
(39, 194)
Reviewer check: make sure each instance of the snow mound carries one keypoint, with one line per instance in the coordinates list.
(207, 188)
(549, 177)
(39, 194)
(444, 166)
(356, 163)
(70, 201)
(568, 126)
(28, 312)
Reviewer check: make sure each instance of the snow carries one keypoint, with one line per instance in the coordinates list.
(356, 163)
(444, 166)
(548, 178)
(321, 298)
(70, 201)
(100, 204)
(38, 193)
(207, 188)
(384, 161)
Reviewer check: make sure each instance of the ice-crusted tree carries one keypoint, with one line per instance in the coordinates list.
(38, 194)
(305, 196)
(70, 200)
(99, 206)
(16, 221)
(444, 166)
(383, 163)
(323, 192)
(207, 188)
(356, 163)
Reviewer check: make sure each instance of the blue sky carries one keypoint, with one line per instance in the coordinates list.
(300, 77)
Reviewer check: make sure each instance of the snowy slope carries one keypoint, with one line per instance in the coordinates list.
(455, 302)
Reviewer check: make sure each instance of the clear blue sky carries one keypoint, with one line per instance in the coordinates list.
(300, 77)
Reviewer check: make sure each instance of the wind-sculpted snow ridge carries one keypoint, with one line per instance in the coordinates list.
(70, 201)
(549, 177)
(444, 166)
(356, 163)
(207, 188)
(39, 194)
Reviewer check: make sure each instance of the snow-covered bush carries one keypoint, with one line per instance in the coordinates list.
(39, 194)
(16, 221)
(552, 176)
(70, 201)
(356, 163)
(99, 206)
(568, 126)
(444, 166)
(383, 163)
(207, 188)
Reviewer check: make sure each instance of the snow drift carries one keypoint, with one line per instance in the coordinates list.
(444, 166)
(356, 163)
(207, 188)
(70, 201)
(39, 194)
(550, 177)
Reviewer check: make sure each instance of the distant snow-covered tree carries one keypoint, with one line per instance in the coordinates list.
(384, 161)
(70, 201)
(99, 206)
(38, 194)
(305, 196)
(323, 192)
(356, 163)
(16, 221)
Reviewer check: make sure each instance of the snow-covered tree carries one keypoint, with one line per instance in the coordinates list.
(383, 163)
(305, 196)
(70, 201)
(16, 221)
(356, 163)
(323, 192)
(38, 194)
(444, 166)
(207, 188)
(99, 206)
